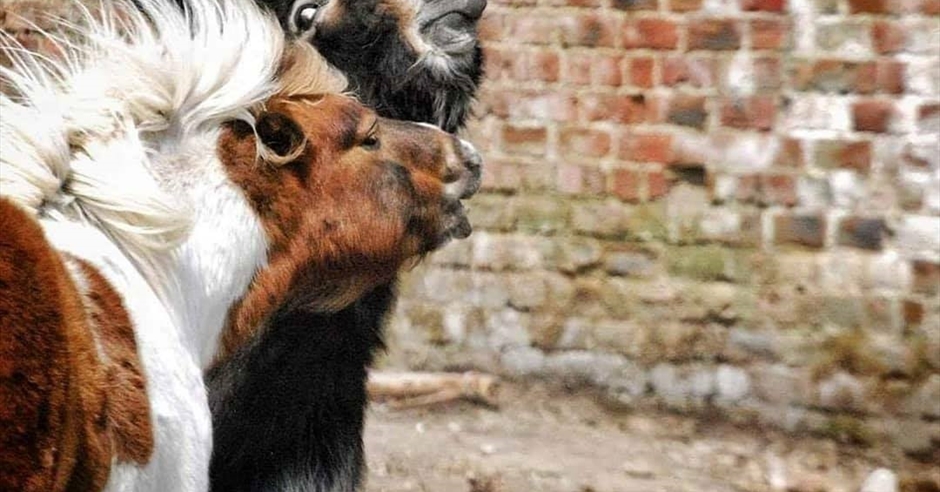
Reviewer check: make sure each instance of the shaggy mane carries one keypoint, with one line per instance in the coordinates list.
(137, 78)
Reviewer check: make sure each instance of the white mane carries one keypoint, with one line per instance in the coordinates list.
(76, 132)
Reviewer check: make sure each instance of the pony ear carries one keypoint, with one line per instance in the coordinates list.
(281, 140)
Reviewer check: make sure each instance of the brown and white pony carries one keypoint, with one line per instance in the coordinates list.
(168, 188)
(305, 375)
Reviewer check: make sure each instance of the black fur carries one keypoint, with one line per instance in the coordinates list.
(289, 409)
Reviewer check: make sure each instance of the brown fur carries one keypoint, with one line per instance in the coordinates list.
(57, 399)
(339, 220)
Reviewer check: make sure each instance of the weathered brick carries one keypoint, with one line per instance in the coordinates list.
(589, 29)
(825, 75)
(606, 218)
(888, 36)
(696, 71)
(530, 29)
(493, 212)
(578, 67)
(714, 34)
(926, 277)
(581, 142)
(844, 37)
(535, 65)
(626, 109)
(549, 106)
(607, 70)
(514, 174)
(757, 112)
(789, 153)
(632, 5)
(837, 154)
(861, 232)
(803, 230)
(687, 110)
(581, 179)
(540, 214)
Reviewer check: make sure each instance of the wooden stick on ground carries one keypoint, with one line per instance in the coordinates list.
(413, 389)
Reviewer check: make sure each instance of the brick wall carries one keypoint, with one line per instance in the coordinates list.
(712, 203)
(709, 204)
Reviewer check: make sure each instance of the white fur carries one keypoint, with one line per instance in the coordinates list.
(114, 149)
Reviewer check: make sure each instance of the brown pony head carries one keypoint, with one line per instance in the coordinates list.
(346, 199)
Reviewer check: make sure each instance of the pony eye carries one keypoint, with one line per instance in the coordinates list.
(304, 15)
(371, 142)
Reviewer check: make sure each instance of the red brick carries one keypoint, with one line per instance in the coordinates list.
(930, 7)
(872, 115)
(650, 147)
(628, 109)
(589, 30)
(769, 34)
(652, 33)
(657, 185)
(714, 35)
(687, 110)
(524, 140)
(696, 71)
(580, 180)
(641, 72)
(869, 6)
(625, 184)
(885, 76)
(685, 5)
(763, 5)
(577, 142)
(888, 37)
(756, 112)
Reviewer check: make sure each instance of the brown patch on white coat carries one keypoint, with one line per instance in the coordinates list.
(72, 395)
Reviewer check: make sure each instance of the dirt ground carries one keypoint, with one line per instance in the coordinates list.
(553, 440)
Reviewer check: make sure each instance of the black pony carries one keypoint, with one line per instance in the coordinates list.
(288, 411)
